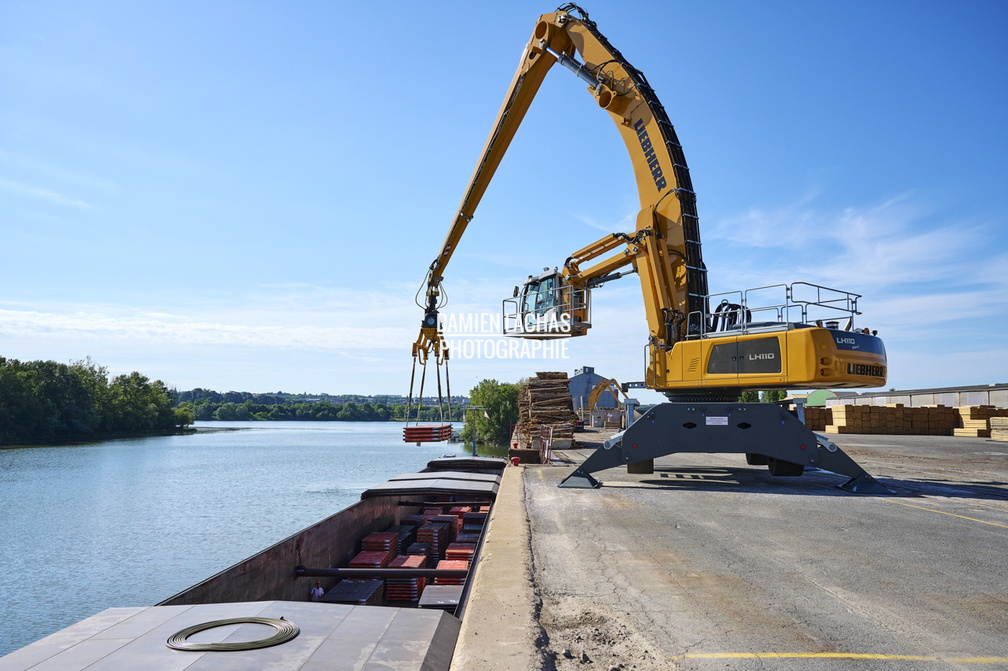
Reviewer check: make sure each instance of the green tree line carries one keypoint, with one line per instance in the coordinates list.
(50, 402)
(205, 405)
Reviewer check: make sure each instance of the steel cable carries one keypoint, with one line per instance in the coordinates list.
(285, 631)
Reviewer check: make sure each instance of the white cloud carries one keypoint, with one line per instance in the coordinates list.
(762, 228)
(177, 328)
(893, 251)
(31, 164)
(42, 194)
(304, 318)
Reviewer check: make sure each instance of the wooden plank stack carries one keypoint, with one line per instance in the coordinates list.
(895, 419)
(975, 420)
(999, 429)
(818, 418)
(936, 420)
(545, 400)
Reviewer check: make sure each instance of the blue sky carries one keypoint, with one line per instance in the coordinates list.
(246, 195)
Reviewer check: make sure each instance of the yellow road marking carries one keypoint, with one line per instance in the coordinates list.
(840, 655)
(963, 517)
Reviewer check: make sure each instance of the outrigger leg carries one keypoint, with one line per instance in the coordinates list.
(765, 433)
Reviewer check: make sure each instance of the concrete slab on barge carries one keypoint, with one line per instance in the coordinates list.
(472, 464)
(464, 476)
(332, 636)
(464, 485)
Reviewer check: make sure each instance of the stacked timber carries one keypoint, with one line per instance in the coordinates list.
(895, 419)
(817, 418)
(999, 429)
(545, 400)
(967, 421)
(975, 420)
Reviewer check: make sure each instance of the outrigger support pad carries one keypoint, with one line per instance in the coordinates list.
(866, 484)
(761, 429)
(604, 457)
(580, 480)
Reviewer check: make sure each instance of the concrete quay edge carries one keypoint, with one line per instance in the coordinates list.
(500, 630)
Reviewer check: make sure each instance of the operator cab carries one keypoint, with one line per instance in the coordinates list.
(546, 307)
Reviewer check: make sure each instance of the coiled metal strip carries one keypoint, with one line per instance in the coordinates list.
(285, 632)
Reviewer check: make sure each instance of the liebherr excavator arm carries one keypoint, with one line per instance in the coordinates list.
(696, 354)
(668, 216)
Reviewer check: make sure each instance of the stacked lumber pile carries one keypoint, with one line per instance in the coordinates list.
(999, 429)
(545, 400)
(818, 418)
(895, 419)
(975, 420)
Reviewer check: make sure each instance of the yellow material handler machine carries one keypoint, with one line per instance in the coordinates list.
(702, 350)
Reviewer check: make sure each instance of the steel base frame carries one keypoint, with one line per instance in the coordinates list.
(760, 429)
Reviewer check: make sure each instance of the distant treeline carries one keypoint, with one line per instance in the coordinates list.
(49, 402)
(205, 404)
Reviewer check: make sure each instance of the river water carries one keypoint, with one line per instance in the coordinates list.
(132, 522)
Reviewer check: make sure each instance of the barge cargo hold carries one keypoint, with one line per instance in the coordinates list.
(273, 586)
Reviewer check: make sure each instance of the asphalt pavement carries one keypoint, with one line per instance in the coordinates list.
(710, 564)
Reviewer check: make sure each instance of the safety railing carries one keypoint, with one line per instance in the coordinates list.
(545, 443)
(773, 307)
